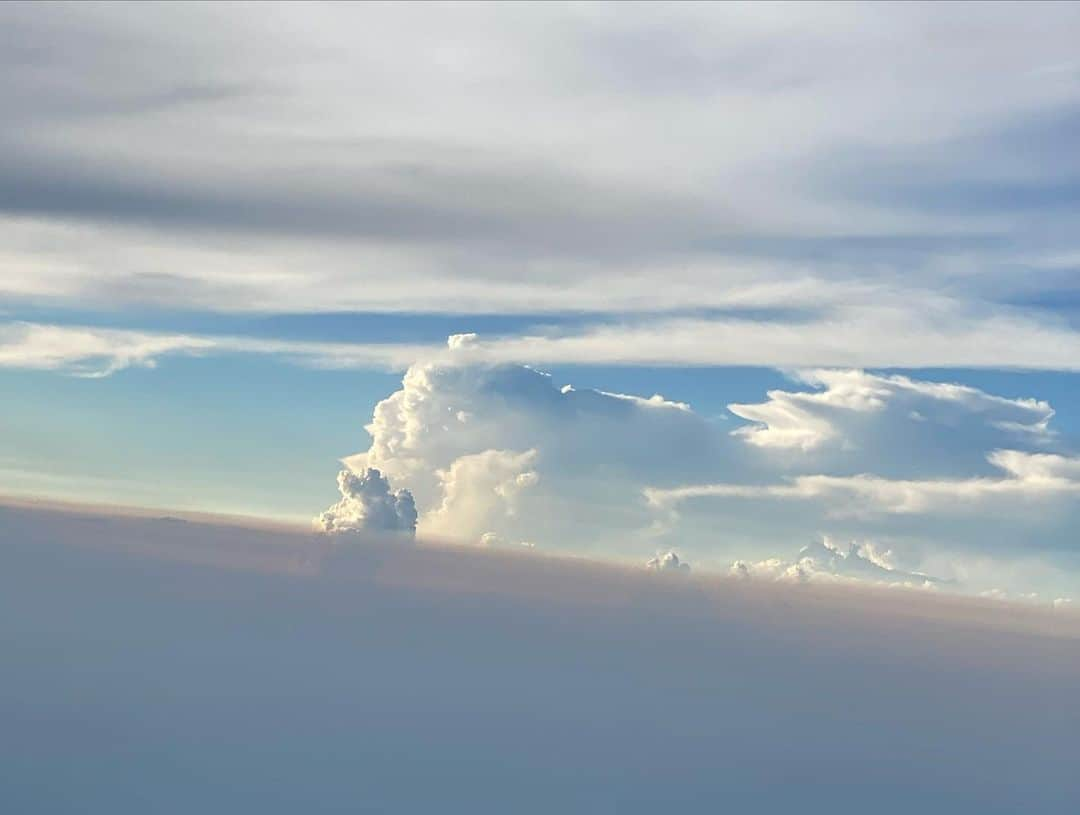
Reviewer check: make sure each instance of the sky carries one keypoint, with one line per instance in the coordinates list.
(788, 290)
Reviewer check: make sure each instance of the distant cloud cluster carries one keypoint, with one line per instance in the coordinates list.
(891, 445)
(1027, 476)
(825, 560)
(809, 419)
(498, 453)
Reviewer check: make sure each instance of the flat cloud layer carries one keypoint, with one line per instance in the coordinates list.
(913, 210)
(262, 671)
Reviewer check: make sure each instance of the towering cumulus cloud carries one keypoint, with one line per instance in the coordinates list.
(958, 483)
(500, 452)
(368, 504)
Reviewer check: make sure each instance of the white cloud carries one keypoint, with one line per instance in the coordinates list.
(825, 561)
(89, 351)
(502, 449)
(97, 352)
(868, 334)
(1030, 477)
(458, 342)
(369, 505)
(503, 453)
(877, 329)
(806, 420)
(856, 447)
(368, 210)
(479, 492)
(667, 562)
(490, 539)
(863, 444)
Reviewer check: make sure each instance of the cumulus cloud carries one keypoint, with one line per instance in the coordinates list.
(480, 490)
(667, 562)
(368, 504)
(859, 444)
(831, 413)
(461, 342)
(825, 560)
(503, 449)
(498, 454)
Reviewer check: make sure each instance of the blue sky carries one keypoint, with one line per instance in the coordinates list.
(227, 233)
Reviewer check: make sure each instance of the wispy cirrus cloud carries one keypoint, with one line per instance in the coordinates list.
(98, 352)
(92, 352)
(936, 332)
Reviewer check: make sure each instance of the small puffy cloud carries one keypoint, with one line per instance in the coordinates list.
(368, 504)
(490, 539)
(461, 342)
(667, 562)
